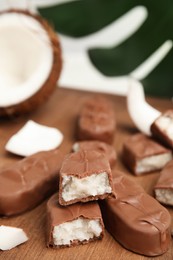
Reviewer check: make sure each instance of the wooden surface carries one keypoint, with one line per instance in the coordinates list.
(61, 112)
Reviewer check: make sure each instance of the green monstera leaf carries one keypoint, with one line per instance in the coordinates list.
(80, 18)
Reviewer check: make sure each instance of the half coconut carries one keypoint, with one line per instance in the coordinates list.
(30, 62)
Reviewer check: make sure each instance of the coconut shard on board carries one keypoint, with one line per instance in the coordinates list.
(30, 62)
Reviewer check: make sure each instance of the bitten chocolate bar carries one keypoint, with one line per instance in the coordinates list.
(162, 128)
(27, 182)
(97, 120)
(98, 146)
(84, 176)
(164, 186)
(141, 154)
(135, 219)
(76, 224)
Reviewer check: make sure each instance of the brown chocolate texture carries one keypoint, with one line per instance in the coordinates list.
(28, 182)
(57, 214)
(138, 147)
(135, 219)
(166, 177)
(97, 120)
(106, 149)
(161, 134)
(83, 164)
(164, 186)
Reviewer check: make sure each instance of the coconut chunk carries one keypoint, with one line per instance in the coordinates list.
(33, 138)
(25, 63)
(30, 61)
(141, 113)
(11, 237)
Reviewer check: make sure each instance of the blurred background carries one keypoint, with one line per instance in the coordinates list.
(106, 43)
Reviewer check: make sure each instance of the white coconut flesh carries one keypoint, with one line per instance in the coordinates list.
(33, 138)
(11, 237)
(26, 57)
(141, 113)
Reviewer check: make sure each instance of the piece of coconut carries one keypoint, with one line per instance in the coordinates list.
(11, 237)
(33, 138)
(141, 113)
(30, 62)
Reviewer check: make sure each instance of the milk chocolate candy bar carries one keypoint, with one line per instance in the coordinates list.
(162, 128)
(135, 219)
(76, 224)
(28, 182)
(97, 120)
(141, 154)
(98, 146)
(84, 176)
(164, 186)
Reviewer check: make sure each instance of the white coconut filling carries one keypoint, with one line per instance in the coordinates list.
(77, 188)
(11, 237)
(33, 138)
(26, 57)
(152, 163)
(164, 195)
(80, 229)
(165, 123)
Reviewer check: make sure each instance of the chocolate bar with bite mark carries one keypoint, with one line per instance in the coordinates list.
(76, 224)
(141, 154)
(162, 128)
(135, 219)
(97, 120)
(84, 176)
(26, 183)
(98, 146)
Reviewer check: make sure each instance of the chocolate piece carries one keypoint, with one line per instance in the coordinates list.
(164, 186)
(97, 121)
(84, 176)
(29, 181)
(141, 154)
(135, 219)
(162, 128)
(73, 225)
(98, 146)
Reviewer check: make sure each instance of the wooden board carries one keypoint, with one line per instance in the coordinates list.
(61, 112)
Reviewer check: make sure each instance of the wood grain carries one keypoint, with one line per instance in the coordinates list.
(61, 111)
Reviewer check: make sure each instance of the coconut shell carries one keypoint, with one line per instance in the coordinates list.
(42, 95)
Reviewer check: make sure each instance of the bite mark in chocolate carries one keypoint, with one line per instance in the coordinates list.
(73, 225)
(141, 154)
(84, 176)
(29, 181)
(135, 219)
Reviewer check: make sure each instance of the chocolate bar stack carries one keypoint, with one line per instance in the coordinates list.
(74, 216)
(84, 177)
